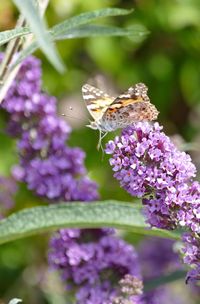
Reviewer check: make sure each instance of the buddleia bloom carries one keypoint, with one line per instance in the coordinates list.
(47, 164)
(95, 263)
(149, 166)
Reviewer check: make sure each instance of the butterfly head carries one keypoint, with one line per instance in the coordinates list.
(97, 125)
(93, 125)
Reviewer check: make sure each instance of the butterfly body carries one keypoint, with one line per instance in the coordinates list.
(110, 113)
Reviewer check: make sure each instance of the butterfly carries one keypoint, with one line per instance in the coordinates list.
(111, 113)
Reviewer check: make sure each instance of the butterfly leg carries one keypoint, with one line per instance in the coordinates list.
(99, 142)
(104, 135)
(100, 139)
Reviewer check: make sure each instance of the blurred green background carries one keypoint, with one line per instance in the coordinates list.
(167, 60)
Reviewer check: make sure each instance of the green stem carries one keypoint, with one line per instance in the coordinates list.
(14, 46)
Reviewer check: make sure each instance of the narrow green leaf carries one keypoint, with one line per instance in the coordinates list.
(164, 279)
(135, 33)
(94, 30)
(78, 215)
(70, 28)
(88, 17)
(29, 10)
(11, 34)
(70, 23)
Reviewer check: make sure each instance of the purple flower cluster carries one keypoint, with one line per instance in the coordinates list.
(94, 261)
(47, 165)
(149, 166)
(8, 188)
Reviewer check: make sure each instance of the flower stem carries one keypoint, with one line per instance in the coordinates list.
(14, 46)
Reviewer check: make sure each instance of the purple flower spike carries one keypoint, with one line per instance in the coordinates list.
(149, 166)
(48, 166)
(94, 261)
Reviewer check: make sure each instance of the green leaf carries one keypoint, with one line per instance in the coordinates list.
(78, 215)
(37, 26)
(135, 33)
(68, 27)
(88, 17)
(97, 30)
(61, 28)
(11, 34)
(164, 279)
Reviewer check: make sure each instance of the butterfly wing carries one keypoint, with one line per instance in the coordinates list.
(131, 106)
(136, 93)
(96, 101)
